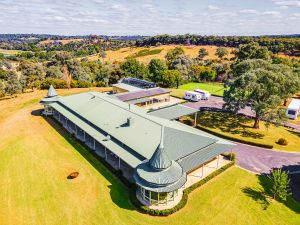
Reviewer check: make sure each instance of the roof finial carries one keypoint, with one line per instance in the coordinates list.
(51, 91)
(161, 144)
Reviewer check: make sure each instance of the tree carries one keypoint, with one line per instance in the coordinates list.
(63, 59)
(171, 78)
(221, 52)
(133, 68)
(156, 68)
(13, 85)
(202, 53)
(203, 73)
(173, 54)
(252, 51)
(54, 72)
(259, 85)
(183, 64)
(280, 184)
(2, 89)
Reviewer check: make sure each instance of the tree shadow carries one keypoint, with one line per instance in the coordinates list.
(119, 187)
(228, 123)
(258, 195)
(263, 195)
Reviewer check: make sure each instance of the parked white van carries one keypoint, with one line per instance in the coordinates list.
(293, 109)
(192, 96)
(205, 94)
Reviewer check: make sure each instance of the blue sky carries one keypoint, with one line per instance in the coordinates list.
(150, 17)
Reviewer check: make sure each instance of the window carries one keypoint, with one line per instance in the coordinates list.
(292, 112)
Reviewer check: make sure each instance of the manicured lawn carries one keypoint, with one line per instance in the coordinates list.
(241, 128)
(36, 159)
(215, 89)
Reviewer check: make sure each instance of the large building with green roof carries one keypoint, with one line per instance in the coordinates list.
(153, 152)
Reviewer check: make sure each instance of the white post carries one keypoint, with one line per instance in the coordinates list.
(158, 198)
(76, 130)
(105, 154)
(119, 163)
(150, 197)
(84, 136)
(218, 161)
(195, 119)
(94, 144)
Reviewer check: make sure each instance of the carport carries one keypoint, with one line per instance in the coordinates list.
(174, 112)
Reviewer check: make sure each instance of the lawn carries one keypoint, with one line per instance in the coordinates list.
(10, 52)
(36, 157)
(213, 88)
(240, 127)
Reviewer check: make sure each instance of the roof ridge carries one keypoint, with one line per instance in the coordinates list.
(126, 109)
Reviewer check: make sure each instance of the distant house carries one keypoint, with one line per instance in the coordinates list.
(153, 152)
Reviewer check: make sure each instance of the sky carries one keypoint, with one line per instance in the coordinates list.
(150, 17)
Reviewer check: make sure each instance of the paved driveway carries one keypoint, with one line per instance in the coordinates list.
(260, 160)
(215, 103)
(255, 159)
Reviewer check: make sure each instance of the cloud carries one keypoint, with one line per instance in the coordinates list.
(213, 7)
(271, 13)
(286, 4)
(249, 11)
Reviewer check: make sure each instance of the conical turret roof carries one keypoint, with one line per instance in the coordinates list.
(51, 92)
(160, 159)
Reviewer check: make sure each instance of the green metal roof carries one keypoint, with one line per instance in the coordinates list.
(165, 180)
(173, 112)
(135, 143)
(128, 157)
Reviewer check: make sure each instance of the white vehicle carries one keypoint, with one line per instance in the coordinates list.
(192, 96)
(293, 109)
(204, 94)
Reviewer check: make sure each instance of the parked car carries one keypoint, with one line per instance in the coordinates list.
(192, 96)
(293, 109)
(204, 94)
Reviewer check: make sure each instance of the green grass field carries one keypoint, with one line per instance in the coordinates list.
(214, 89)
(36, 159)
(240, 127)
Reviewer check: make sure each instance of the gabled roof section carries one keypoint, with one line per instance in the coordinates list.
(51, 92)
(143, 135)
(173, 112)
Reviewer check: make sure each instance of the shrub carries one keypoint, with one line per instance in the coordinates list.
(100, 84)
(80, 84)
(282, 141)
(230, 156)
(280, 184)
(57, 83)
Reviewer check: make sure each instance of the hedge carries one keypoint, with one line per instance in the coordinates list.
(235, 139)
(153, 212)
